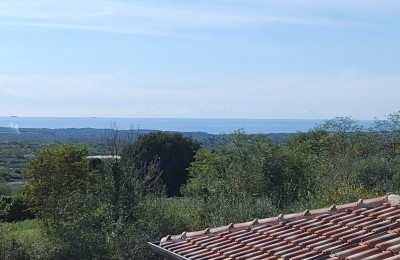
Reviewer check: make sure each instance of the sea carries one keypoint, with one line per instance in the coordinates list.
(207, 125)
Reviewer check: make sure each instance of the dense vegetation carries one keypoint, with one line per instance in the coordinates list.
(17, 147)
(102, 209)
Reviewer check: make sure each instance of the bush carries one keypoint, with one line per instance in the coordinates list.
(13, 208)
(24, 240)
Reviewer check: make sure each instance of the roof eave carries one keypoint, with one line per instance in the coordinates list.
(155, 246)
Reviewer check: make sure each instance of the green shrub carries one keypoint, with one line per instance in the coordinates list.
(24, 240)
(13, 208)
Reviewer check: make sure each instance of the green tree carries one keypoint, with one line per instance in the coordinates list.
(389, 133)
(68, 198)
(343, 133)
(231, 179)
(236, 170)
(58, 175)
(170, 151)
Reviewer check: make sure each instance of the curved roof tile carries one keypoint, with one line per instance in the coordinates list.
(366, 229)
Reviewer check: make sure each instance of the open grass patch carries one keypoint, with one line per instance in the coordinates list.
(25, 240)
(27, 229)
(10, 188)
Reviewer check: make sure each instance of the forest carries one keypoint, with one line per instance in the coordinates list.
(69, 206)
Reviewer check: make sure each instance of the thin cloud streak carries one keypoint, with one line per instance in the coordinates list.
(82, 27)
(360, 6)
(144, 19)
(371, 5)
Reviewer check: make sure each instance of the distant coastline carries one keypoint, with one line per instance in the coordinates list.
(211, 126)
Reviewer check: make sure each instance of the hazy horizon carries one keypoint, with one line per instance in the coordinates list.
(210, 125)
(250, 59)
(196, 118)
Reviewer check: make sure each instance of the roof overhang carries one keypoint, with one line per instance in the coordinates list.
(155, 246)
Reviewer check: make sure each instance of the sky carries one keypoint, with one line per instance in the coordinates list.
(291, 59)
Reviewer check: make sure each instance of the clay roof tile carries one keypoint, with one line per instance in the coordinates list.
(366, 229)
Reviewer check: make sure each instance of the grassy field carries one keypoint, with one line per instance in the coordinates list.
(27, 229)
(10, 188)
(24, 240)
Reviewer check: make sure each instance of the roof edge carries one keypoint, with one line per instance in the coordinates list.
(161, 251)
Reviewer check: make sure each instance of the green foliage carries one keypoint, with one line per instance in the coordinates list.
(59, 178)
(342, 135)
(389, 133)
(5, 188)
(232, 179)
(67, 197)
(107, 206)
(114, 207)
(170, 151)
(156, 217)
(235, 172)
(24, 240)
(13, 208)
(250, 166)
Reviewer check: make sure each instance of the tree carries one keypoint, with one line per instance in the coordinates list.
(343, 134)
(234, 172)
(67, 197)
(171, 151)
(57, 175)
(389, 131)
(231, 179)
(100, 209)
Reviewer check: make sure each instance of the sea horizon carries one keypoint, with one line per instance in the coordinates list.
(208, 125)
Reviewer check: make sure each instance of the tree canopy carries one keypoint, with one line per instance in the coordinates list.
(171, 151)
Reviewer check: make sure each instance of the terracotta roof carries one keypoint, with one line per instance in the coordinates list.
(367, 229)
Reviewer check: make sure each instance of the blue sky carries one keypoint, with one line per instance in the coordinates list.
(308, 59)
